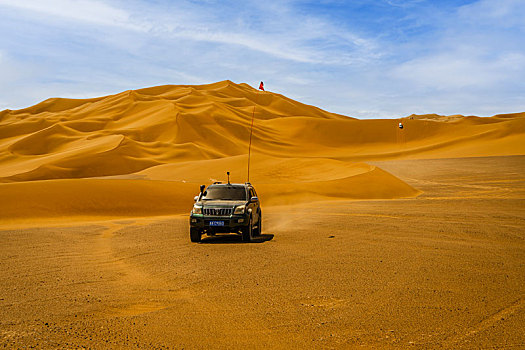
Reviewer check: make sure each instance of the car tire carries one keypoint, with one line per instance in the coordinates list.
(247, 232)
(258, 231)
(195, 235)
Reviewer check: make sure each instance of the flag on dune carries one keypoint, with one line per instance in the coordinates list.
(261, 86)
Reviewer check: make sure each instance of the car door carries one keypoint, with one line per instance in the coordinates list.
(255, 208)
(252, 206)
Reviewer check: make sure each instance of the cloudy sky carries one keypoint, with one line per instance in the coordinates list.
(362, 58)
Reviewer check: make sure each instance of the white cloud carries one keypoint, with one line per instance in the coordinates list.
(455, 71)
(402, 3)
(13, 72)
(297, 80)
(89, 11)
(286, 37)
(263, 45)
(502, 13)
(471, 57)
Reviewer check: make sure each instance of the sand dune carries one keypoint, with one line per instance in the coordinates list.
(134, 130)
(80, 198)
(94, 197)
(94, 202)
(197, 133)
(445, 270)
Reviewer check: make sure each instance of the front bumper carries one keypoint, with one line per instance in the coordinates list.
(232, 223)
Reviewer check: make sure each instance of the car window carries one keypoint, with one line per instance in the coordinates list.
(225, 193)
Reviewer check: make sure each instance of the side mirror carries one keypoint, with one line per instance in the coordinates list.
(196, 198)
(202, 188)
(254, 199)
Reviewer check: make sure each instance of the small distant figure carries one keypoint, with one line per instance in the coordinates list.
(261, 86)
(401, 125)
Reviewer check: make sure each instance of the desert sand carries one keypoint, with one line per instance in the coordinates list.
(373, 236)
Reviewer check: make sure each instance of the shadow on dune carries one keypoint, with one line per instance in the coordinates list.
(224, 239)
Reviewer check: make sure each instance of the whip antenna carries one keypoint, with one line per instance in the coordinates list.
(261, 87)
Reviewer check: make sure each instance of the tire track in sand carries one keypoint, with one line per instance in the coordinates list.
(153, 293)
(131, 275)
(488, 322)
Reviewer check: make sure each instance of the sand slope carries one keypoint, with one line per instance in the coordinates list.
(194, 134)
(445, 270)
(93, 256)
(135, 130)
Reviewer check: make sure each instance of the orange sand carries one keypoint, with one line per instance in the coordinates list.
(373, 237)
(193, 134)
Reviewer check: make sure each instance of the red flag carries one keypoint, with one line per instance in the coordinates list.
(261, 86)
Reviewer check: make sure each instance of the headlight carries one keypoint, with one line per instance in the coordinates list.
(239, 209)
(197, 209)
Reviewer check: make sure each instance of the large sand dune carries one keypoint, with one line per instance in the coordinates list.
(194, 134)
(136, 130)
(374, 237)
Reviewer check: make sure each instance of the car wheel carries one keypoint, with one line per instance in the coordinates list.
(247, 232)
(258, 232)
(195, 235)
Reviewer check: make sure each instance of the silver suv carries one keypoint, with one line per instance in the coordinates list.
(226, 208)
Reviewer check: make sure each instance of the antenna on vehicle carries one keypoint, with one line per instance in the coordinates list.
(261, 87)
(228, 173)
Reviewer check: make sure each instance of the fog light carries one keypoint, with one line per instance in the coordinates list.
(241, 220)
(193, 220)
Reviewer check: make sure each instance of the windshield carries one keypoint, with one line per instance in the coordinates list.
(225, 193)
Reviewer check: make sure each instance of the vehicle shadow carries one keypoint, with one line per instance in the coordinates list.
(229, 239)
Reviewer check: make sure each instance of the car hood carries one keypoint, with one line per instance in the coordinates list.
(220, 203)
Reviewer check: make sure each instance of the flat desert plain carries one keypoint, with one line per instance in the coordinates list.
(373, 236)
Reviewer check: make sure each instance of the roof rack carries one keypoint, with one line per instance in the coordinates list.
(247, 183)
(217, 182)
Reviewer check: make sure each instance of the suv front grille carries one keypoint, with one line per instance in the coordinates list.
(217, 211)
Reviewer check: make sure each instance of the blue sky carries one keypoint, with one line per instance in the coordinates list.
(362, 58)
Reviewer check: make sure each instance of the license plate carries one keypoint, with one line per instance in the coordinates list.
(216, 223)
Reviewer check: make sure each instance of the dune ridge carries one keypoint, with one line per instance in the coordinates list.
(190, 134)
(170, 124)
